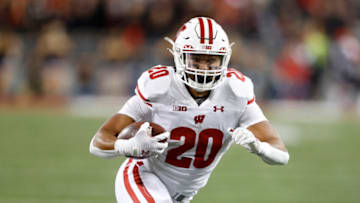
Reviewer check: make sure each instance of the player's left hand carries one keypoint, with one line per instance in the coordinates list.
(246, 139)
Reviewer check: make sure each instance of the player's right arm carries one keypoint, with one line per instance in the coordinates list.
(106, 135)
(105, 143)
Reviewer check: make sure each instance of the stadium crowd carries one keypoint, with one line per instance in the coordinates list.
(57, 49)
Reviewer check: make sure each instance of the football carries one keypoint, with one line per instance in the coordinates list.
(130, 130)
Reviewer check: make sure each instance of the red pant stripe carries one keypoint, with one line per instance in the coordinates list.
(127, 183)
(141, 185)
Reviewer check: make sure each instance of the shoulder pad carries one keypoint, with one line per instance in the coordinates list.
(154, 82)
(240, 85)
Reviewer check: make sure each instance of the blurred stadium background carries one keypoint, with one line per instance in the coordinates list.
(67, 65)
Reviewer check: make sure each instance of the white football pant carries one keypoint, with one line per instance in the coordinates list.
(135, 182)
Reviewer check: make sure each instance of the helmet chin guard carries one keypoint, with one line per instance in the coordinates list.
(200, 36)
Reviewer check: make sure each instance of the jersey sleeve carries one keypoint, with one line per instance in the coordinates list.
(250, 95)
(252, 115)
(136, 109)
(153, 83)
(241, 86)
(244, 88)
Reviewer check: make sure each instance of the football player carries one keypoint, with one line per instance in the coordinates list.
(202, 104)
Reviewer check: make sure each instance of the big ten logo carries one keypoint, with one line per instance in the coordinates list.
(199, 119)
(179, 108)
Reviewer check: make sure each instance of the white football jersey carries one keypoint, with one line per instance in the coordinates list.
(200, 129)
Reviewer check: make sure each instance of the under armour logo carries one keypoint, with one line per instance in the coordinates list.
(221, 108)
(199, 119)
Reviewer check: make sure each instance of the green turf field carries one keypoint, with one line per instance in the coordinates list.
(44, 158)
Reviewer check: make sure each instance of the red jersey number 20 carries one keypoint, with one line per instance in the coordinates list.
(200, 158)
(236, 73)
(158, 72)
